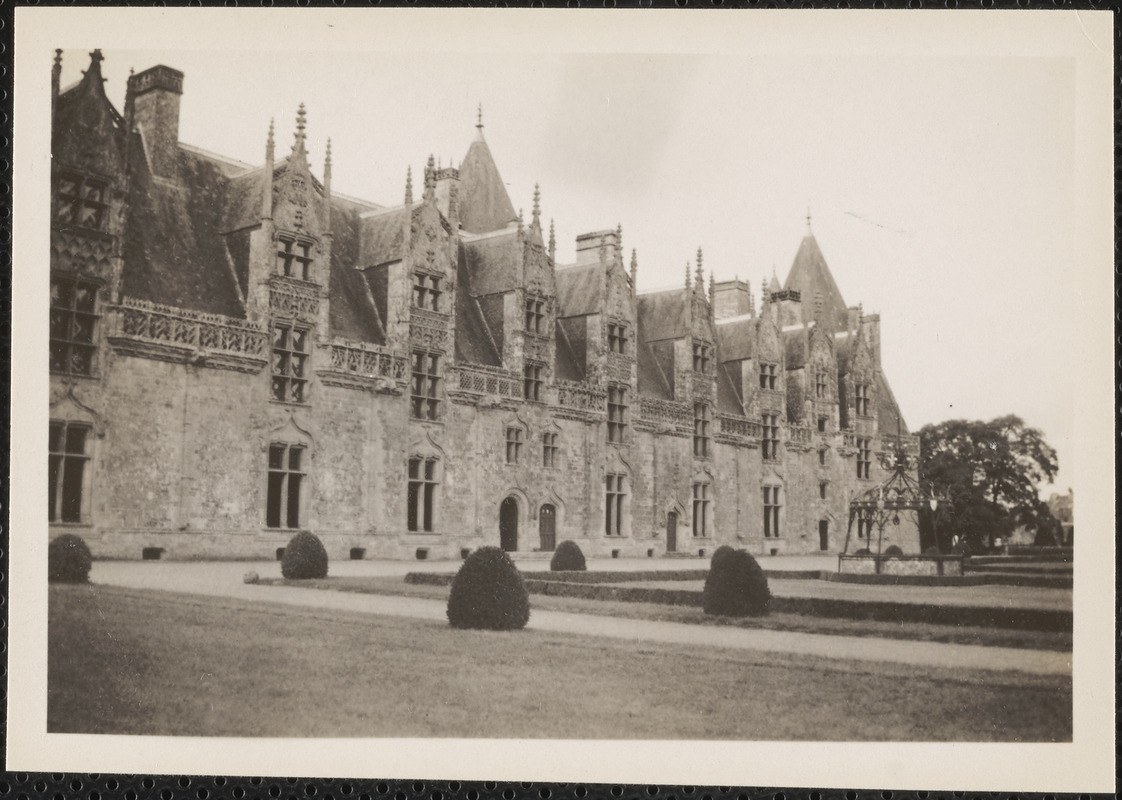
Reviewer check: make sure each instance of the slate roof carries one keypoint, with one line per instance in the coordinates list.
(729, 400)
(652, 380)
(567, 367)
(354, 314)
(736, 339)
(794, 348)
(474, 341)
(484, 204)
(888, 411)
(663, 314)
(382, 237)
(174, 252)
(810, 275)
(579, 289)
(494, 263)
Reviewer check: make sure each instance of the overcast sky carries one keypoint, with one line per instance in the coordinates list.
(940, 188)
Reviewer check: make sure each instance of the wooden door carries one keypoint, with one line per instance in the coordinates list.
(547, 527)
(508, 525)
(672, 532)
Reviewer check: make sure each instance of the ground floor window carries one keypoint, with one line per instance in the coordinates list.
(422, 494)
(549, 449)
(66, 470)
(286, 476)
(771, 512)
(701, 509)
(613, 505)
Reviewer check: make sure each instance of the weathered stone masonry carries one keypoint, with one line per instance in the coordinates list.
(237, 353)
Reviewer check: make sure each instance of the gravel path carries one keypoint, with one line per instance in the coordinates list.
(224, 579)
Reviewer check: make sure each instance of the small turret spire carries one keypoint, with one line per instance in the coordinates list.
(766, 291)
(56, 73)
(808, 230)
(327, 166)
(552, 243)
(267, 191)
(269, 142)
(537, 210)
(687, 276)
(699, 284)
(712, 288)
(301, 124)
(479, 123)
(430, 178)
(409, 186)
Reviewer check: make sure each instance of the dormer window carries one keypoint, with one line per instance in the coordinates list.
(701, 356)
(617, 338)
(861, 399)
(294, 257)
(81, 201)
(767, 376)
(427, 291)
(535, 315)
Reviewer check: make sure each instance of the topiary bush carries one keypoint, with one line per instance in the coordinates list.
(304, 558)
(720, 553)
(68, 560)
(893, 550)
(736, 586)
(567, 557)
(488, 593)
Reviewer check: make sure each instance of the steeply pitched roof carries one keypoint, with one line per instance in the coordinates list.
(382, 237)
(174, 252)
(484, 204)
(736, 339)
(809, 276)
(888, 411)
(353, 312)
(662, 315)
(580, 290)
(474, 342)
(729, 400)
(568, 366)
(494, 263)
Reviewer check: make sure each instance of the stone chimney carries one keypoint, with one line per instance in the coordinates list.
(155, 97)
(447, 193)
(589, 244)
(732, 299)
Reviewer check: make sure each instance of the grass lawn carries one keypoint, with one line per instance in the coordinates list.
(146, 662)
(991, 637)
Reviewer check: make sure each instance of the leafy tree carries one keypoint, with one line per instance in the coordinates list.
(991, 471)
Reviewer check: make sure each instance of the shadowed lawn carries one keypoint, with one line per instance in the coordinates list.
(128, 661)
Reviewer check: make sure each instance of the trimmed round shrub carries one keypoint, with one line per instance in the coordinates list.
(893, 550)
(568, 557)
(488, 593)
(864, 551)
(304, 558)
(736, 586)
(68, 560)
(720, 553)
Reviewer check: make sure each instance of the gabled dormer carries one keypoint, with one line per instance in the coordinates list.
(821, 383)
(857, 385)
(768, 391)
(89, 180)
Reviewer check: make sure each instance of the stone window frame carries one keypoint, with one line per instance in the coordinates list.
(821, 385)
(822, 489)
(617, 337)
(702, 357)
(535, 308)
(769, 375)
(702, 509)
(773, 507)
(514, 440)
(615, 499)
(550, 450)
(69, 473)
(293, 264)
(861, 398)
(617, 413)
(823, 423)
(88, 196)
(427, 296)
(769, 436)
(864, 458)
(284, 504)
(702, 421)
(425, 384)
(74, 326)
(532, 381)
(423, 479)
(290, 376)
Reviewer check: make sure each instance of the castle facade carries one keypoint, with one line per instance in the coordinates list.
(237, 353)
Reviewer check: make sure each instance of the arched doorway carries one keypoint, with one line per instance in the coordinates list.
(547, 527)
(508, 525)
(672, 531)
(823, 534)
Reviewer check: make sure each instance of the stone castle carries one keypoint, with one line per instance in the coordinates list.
(238, 353)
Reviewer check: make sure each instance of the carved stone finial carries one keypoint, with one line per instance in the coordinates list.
(327, 156)
(479, 117)
(96, 57)
(301, 120)
(430, 176)
(552, 242)
(408, 185)
(537, 202)
(58, 58)
(699, 284)
(766, 291)
(619, 236)
(818, 306)
(808, 218)
(634, 261)
(687, 275)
